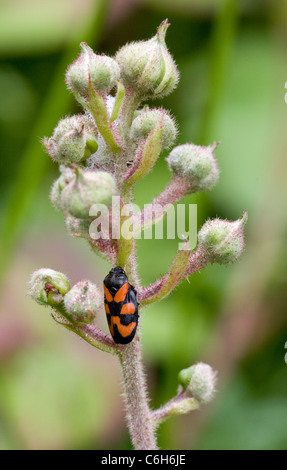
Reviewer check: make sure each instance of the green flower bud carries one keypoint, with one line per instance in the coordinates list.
(47, 287)
(78, 227)
(87, 188)
(198, 381)
(146, 122)
(56, 191)
(196, 164)
(73, 140)
(102, 71)
(82, 302)
(223, 241)
(148, 67)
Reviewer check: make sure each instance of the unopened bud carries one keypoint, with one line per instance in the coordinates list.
(87, 188)
(196, 164)
(82, 302)
(198, 381)
(223, 241)
(73, 140)
(48, 287)
(148, 67)
(146, 122)
(78, 227)
(99, 70)
(67, 175)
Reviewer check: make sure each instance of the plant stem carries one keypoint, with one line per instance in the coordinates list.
(139, 417)
(99, 111)
(129, 106)
(176, 406)
(138, 414)
(125, 243)
(95, 337)
(168, 282)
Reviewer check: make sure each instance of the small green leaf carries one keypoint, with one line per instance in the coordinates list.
(99, 111)
(151, 153)
(120, 96)
(172, 278)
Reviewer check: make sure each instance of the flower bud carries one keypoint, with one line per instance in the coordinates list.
(198, 381)
(73, 140)
(78, 227)
(146, 122)
(47, 287)
(82, 302)
(196, 164)
(87, 188)
(99, 70)
(148, 67)
(56, 191)
(223, 241)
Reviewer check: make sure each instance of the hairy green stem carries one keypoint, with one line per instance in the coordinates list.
(171, 279)
(94, 337)
(90, 333)
(120, 96)
(139, 416)
(129, 106)
(125, 244)
(99, 111)
(176, 406)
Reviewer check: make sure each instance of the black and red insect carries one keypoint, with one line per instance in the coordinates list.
(121, 306)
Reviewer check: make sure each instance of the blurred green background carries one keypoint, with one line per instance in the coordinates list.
(56, 391)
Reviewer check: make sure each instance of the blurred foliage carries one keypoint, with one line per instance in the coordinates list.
(26, 26)
(55, 391)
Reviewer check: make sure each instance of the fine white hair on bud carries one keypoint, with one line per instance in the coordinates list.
(47, 287)
(196, 164)
(99, 70)
(73, 140)
(82, 302)
(87, 188)
(146, 122)
(78, 228)
(198, 381)
(222, 241)
(67, 175)
(148, 67)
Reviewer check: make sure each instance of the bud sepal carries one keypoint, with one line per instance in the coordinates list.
(222, 241)
(99, 70)
(73, 140)
(147, 154)
(87, 188)
(48, 287)
(195, 164)
(82, 303)
(148, 67)
(147, 120)
(198, 381)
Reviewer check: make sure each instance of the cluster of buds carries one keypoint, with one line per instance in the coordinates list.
(102, 153)
(78, 304)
